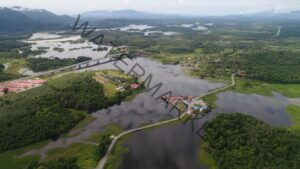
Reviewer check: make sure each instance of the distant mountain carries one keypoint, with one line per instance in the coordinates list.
(126, 14)
(24, 19)
(279, 15)
(11, 20)
(43, 16)
(267, 15)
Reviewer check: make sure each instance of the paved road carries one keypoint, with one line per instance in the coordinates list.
(71, 67)
(103, 161)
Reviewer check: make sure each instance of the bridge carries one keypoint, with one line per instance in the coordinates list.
(82, 65)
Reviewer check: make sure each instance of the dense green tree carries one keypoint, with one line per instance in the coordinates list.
(60, 163)
(42, 64)
(47, 111)
(103, 145)
(239, 141)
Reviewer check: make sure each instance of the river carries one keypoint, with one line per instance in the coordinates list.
(176, 146)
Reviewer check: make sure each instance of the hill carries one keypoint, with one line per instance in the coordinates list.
(19, 19)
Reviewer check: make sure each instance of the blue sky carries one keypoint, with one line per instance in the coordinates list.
(189, 7)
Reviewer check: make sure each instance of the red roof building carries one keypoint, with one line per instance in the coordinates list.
(135, 86)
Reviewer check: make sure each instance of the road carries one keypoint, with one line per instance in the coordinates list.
(103, 161)
(71, 67)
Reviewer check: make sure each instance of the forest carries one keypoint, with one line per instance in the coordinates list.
(47, 111)
(265, 65)
(60, 163)
(43, 64)
(237, 141)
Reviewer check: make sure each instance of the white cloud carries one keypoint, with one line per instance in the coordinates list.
(211, 7)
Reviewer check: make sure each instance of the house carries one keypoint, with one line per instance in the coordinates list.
(134, 86)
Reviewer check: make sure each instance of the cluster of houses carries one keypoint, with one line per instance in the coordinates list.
(20, 85)
(192, 104)
(118, 81)
(200, 105)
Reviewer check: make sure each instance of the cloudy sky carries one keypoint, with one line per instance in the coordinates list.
(190, 7)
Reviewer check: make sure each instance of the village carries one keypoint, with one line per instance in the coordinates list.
(20, 85)
(189, 104)
(113, 81)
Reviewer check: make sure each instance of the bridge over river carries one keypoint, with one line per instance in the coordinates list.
(82, 65)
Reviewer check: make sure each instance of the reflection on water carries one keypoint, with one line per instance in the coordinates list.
(173, 147)
(142, 108)
(268, 109)
(176, 146)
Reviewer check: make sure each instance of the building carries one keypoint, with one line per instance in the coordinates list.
(20, 85)
(134, 86)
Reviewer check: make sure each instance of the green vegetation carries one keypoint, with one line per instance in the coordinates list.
(228, 48)
(11, 159)
(294, 112)
(15, 66)
(58, 49)
(60, 163)
(269, 66)
(103, 145)
(211, 100)
(42, 64)
(168, 58)
(115, 159)
(241, 141)
(15, 63)
(206, 158)
(85, 155)
(12, 41)
(252, 86)
(47, 111)
(80, 126)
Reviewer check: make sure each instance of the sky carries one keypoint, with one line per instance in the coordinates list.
(186, 7)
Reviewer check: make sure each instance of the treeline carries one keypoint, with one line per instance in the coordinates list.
(239, 141)
(269, 66)
(103, 146)
(7, 55)
(60, 163)
(12, 41)
(46, 112)
(42, 64)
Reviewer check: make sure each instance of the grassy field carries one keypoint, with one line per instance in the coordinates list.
(85, 154)
(294, 112)
(205, 158)
(116, 158)
(258, 87)
(15, 66)
(110, 88)
(11, 159)
(169, 58)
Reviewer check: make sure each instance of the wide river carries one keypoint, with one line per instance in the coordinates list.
(175, 146)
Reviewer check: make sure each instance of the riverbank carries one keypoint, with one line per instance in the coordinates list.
(69, 83)
(242, 143)
(249, 86)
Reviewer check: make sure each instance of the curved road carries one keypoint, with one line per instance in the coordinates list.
(103, 161)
